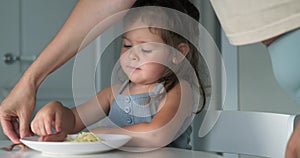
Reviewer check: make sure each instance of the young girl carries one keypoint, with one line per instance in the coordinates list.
(156, 103)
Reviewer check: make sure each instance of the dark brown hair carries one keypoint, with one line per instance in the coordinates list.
(171, 38)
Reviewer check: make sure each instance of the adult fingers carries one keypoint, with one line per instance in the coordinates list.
(16, 126)
(24, 124)
(9, 131)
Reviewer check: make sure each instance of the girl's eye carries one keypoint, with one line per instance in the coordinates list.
(146, 50)
(126, 43)
(127, 46)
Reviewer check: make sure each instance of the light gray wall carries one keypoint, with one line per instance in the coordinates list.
(258, 89)
(26, 28)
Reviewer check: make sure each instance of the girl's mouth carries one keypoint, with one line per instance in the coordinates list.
(133, 68)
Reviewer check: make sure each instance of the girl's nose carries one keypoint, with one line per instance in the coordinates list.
(133, 53)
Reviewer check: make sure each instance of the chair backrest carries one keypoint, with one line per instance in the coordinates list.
(250, 133)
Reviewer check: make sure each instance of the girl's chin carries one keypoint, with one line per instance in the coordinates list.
(134, 74)
(138, 79)
(135, 79)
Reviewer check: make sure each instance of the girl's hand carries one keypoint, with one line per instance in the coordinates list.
(58, 137)
(53, 115)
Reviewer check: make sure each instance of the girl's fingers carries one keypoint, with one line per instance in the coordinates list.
(41, 129)
(58, 137)
(34, 127)
(58, 119)
(48, 126)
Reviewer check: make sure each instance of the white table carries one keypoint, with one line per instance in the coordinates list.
(159, 153)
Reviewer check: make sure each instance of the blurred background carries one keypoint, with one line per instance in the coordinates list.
(26, 27)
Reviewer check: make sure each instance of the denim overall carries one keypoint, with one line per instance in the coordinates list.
(129, 109)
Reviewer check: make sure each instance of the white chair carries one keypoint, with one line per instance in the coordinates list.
(250, 133)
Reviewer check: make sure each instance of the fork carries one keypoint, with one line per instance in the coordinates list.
(12, 146)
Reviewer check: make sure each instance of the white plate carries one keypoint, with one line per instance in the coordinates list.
(109, 142)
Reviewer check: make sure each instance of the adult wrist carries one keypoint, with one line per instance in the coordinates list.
(31, 80)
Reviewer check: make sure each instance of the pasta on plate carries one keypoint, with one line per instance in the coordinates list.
(85, 137)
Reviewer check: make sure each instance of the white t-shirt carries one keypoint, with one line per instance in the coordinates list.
(250, 21)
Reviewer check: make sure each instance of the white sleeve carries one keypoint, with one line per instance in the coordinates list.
(250, 21)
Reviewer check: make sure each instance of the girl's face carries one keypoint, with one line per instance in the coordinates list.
(144, 56)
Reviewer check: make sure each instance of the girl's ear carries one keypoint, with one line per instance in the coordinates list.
(184, 49)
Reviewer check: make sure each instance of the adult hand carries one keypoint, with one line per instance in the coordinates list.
(15, 111)
(293, 146)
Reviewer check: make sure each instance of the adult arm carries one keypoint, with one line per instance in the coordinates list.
(292, 150)
(19, 104)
